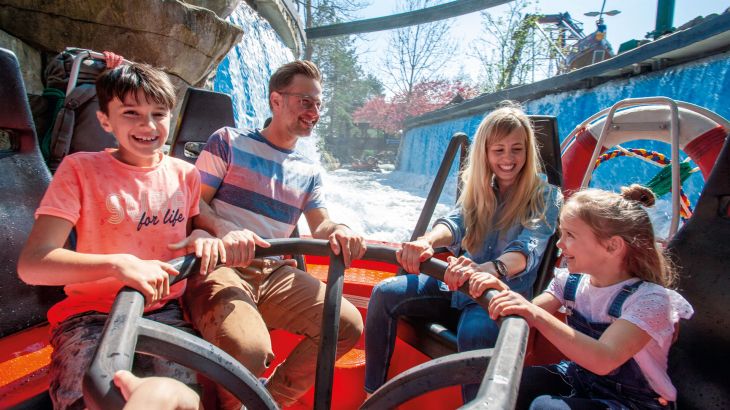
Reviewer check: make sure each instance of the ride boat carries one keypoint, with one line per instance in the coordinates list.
(367, 164)
(698, 246)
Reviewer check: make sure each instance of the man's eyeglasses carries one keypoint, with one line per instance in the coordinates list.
(307, 102)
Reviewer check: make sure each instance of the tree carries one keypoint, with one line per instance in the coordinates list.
(345, 85)
(345, 88)
(389, 116)
(322, 12)
(509, 51)
(416, 54)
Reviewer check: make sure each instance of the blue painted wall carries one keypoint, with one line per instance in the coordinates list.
(705, 83)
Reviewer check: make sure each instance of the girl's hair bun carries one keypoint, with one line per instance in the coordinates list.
(638, 193)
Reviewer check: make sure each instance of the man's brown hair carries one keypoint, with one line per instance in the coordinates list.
(285, 75)
(131, 78)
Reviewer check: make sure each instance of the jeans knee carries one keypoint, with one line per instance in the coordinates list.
(385, 293)
(473, 337)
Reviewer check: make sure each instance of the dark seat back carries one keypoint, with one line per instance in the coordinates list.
(548, 140)
(23, 180)
(701, 248)
(202, 113)
(546, 132)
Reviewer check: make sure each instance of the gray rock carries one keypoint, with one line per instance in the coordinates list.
(29, 59)
(186, 40)
(223, 8)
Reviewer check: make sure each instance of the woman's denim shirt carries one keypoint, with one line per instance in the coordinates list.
(530, 241)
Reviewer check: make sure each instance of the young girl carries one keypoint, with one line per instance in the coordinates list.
(621, 316)
(504, 218)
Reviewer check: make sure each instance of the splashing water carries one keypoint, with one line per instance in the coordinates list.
(381, 206)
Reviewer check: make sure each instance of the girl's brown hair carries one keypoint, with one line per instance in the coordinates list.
(609, 214)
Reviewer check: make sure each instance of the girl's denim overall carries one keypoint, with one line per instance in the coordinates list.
(625, 387)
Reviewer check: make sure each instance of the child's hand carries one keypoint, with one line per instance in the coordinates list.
(411, 254)
(481, 281)
(512, 303)
(112, 60)
(241, 247)
(150, 277)
(155, 392)
(208, 248)
(459, 271)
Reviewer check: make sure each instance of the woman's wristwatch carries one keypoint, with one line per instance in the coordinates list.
(500, 267)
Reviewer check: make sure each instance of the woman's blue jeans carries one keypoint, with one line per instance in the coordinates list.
(419, 296)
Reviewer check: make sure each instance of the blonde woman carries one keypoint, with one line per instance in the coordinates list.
(503, 220)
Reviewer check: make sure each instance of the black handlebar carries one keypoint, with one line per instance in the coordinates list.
(126, 331)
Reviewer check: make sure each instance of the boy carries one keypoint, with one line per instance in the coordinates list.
(132, 208)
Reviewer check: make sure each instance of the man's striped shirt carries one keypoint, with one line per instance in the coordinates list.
(260, 187)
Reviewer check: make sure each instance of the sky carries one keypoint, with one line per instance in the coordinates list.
(637, 18)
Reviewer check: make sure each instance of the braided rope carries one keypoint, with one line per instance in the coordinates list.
(656, 158)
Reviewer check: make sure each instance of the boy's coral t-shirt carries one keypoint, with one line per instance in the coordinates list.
(120, 208)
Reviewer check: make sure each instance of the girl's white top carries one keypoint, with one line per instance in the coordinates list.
(652, 308)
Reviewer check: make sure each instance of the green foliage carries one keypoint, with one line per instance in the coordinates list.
(345, 85)
(510, 51)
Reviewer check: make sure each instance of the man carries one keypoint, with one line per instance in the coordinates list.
(254, 185)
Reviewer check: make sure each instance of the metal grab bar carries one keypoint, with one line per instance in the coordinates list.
(674, 135)
(458, 140)
(674, 106)
(720, 120)
(73, 76)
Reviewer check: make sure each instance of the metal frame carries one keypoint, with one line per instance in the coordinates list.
(125, 328)
(73, 76)
(608, 126)
(426, 15)
(458, 140)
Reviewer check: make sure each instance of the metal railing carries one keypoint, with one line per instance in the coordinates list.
(608, 127)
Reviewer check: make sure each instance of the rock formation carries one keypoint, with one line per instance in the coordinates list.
(188, 41)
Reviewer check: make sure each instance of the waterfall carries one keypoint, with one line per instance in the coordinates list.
(244, 72)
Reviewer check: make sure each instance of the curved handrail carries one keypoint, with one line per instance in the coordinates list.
(125, 325)
(126, 328)
(76, 67)
(674, 133)
(720, 120)
(458, 141)
(461, 368)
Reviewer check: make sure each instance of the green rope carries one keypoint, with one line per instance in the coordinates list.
(661, 184)
(45, 142)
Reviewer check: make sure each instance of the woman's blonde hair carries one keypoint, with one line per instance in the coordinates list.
(523, 202)
(609, 214)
